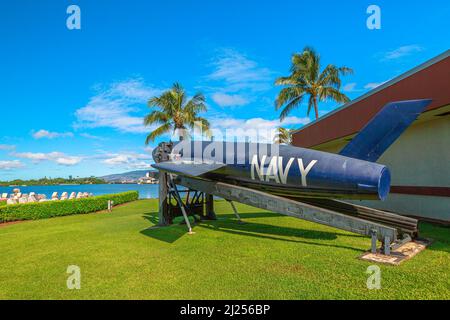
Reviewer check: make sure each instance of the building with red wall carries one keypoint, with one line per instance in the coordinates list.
(420, 159)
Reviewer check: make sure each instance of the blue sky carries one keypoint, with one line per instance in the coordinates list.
(73, 100)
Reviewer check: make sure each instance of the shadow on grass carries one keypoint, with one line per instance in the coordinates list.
(251, 215)
(249, 229)
(173, 233)
(260, 230)
(440, 236)
(166, 234)
(263, 231)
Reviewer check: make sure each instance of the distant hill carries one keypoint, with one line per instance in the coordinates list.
(129, 176)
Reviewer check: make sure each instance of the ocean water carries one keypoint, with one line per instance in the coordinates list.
(145, 190)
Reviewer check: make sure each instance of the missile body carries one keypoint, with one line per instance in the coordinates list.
(298, 172)
(279, 169)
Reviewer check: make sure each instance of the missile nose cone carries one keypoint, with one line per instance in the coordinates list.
(384, 183)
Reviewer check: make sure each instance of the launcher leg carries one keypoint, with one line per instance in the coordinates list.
(209, 207)
(180, 202)
(235, 211)
(387, 246)
(374, 241)
(163, 193)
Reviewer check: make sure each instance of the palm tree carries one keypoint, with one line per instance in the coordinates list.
(175, 113)
(306, 80)
(283, 136)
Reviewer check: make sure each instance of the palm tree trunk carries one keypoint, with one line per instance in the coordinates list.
(181, 132)
(316, 110)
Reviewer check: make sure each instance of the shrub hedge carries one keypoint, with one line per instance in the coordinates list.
(2, 203)
(48, 209)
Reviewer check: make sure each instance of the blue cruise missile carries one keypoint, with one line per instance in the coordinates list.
(298, 172)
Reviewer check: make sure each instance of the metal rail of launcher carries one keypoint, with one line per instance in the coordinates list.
(391, 229)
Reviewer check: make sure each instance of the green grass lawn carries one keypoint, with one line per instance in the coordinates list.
(123, 256)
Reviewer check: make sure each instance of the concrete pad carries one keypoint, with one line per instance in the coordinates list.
(402, 253)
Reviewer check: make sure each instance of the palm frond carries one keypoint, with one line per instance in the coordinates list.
(330, 76)
(306, 64)
(306, 79)
(204, 125)
(158, 132)
(345, 70)
(195, 105)
(283, 136)
(283, 81)
(288, 94)
(173, 112)
(165, 102)
(155, 116)
(331, 93)
(292, 104)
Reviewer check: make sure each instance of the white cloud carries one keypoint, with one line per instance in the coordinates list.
(68, 161)
(128, 160)
(235, 68)
(50, 135)
(140, 165)
(10, 164)
(257, 123)
(148, 149)
(7, 147)
(57, 157)
(235, 77)
(118, 107)
(373, 85)
(228, 100)
(350, 87)
(93, 137)
(133, 89)
(402, 52)
(263, 128)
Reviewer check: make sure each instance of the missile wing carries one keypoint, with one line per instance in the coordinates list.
(188, 168)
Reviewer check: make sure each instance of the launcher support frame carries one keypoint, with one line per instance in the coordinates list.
(387, 235)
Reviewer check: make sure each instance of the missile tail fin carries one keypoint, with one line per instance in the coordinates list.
(382, 131)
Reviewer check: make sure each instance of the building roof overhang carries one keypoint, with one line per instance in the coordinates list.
(430, 80)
